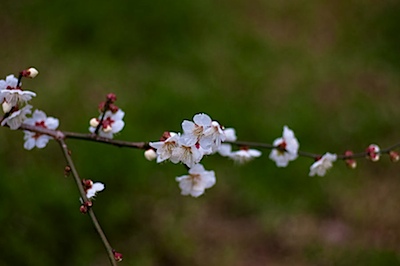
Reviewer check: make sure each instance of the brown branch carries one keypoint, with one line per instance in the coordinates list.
(92, 215)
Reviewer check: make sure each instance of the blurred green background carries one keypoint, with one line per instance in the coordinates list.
(327, 69)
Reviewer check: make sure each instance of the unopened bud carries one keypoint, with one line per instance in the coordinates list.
(83, 209)
(117, 256)
(107, 129)
(87, 183)
(150, 154)
(32, 72)
(394, 156)
(88, 204)
(350, 162)
(373, 152)
(6, 107)
(67, 170)
(94, 122)
(111, 97)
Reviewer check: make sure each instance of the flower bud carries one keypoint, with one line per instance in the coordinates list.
(83, 209)
(350, 162)
(373, 152)
(87, 183)
(94, 122)
(32, 72)
(394, 156)
(6, 107)
(111, 97)
(117, 256)
(107, 129)
(150, 154)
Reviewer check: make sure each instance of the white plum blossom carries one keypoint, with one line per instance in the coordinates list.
(96, 187)
(10, 83)
(40, 119)
(193, 132)
(197, 181)
(290, 146)
(212, 137)
(203, 130)
(111, 124)
(16, 118)
(11, 93)
(244, 155)
(230, 134)
(165, 148)
(187, 154)
(323, 164)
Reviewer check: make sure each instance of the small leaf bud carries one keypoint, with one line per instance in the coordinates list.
(150, 154)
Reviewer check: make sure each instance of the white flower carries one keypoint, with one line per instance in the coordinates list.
(197, 181)
(207, 133)
(322, 165)
(39, 119)
(111, 124)
(225, 150)
(164, 148)
(96, 187)
(15, 119)
(13, 97)
(230, 134)
(289, 143)
(244, 155)
(189, 155)
(193, 132)
(212, 137)
(10, 83)
(13, 94)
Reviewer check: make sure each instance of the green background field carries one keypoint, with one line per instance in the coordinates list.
(327, 69)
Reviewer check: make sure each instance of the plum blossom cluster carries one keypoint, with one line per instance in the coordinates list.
(200, 137)
(14, 100)
(91, 190)
(110, 120)
(16, 109)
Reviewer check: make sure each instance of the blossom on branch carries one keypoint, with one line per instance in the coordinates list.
(16, 118)
(244, 155)
(373, 152)
(286, 148)
(203, 130)
(197, 181)
(39, 119)
(187, 154)
(12, 93)
(92, 188)
(165, 148)
(111, 124)
(323, 164)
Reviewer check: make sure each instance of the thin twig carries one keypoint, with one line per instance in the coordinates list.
(92, 215)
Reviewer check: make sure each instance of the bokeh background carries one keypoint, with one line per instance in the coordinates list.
(327, 69)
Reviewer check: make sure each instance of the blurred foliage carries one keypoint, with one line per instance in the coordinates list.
(329, 70)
